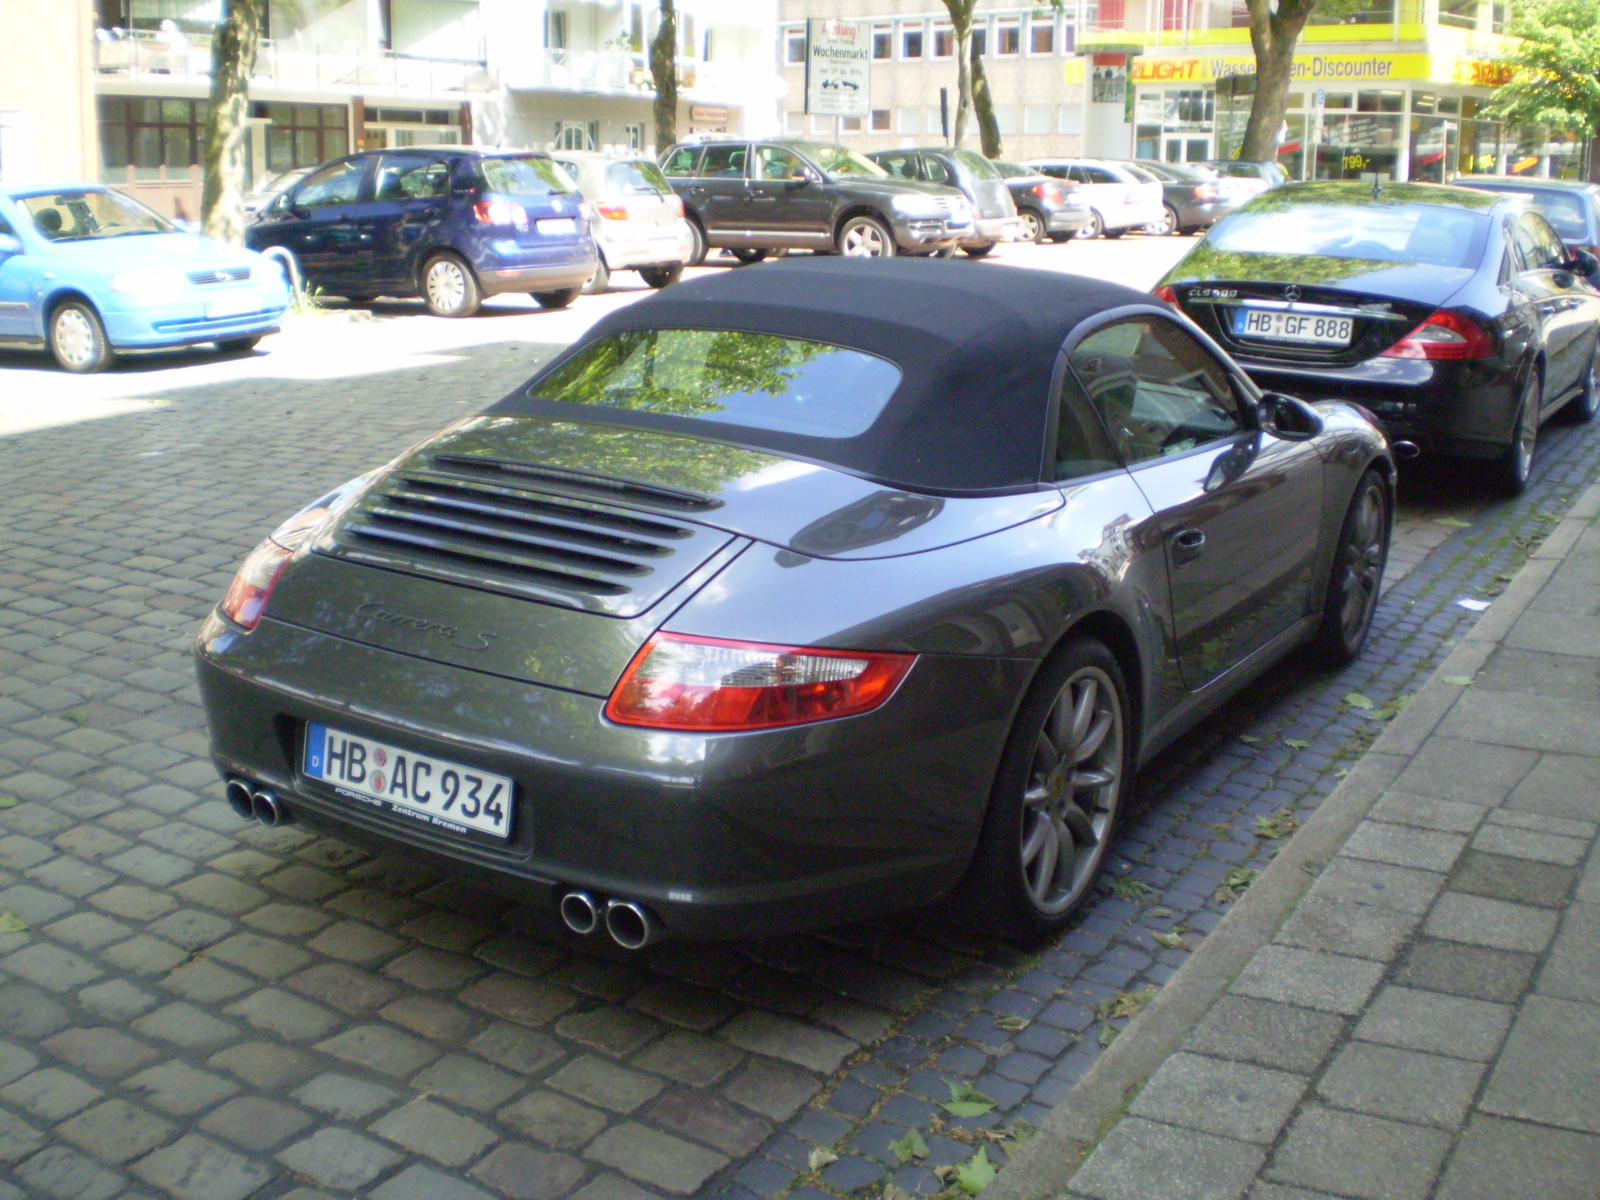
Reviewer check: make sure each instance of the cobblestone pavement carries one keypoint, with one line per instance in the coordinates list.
(205, 1009)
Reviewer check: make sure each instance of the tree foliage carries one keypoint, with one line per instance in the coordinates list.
(233, 61)
(1555, 67)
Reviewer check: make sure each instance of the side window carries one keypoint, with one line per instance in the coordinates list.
(681, 161)
(901, 166)
(336, 183)
(1537, 243)
(1158, 391)
(1081, 444)
(724, 162)
(1056, 172)
(1078, 175)
(410, 177)
(935, 171)
(1099, 175)
(775, 163)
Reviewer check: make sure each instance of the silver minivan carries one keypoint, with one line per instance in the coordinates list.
(637, 219)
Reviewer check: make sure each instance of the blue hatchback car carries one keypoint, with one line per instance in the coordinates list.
(451, 224)
(88, 272)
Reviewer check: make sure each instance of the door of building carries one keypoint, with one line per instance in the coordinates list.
(1186, 148)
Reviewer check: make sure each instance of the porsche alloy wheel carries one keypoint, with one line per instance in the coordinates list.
(1516, 464)
(448, 287)
(1586, 403)
(865, 237)
(1356, 576)
(1057, 795)
(78, 340)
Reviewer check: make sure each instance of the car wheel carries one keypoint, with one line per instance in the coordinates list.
(697, 252)
(865, 237)
(1057, 794)
(1516, 464)
(660, 277)
(1581, 409)
(977, 251)
(559, 299)
(746, 257)
(448, 288)
(602, 277)
(1168, 224)
(78, 339)
(1032, 225)
(1094, 228)
(1356, 575)
(241, 345)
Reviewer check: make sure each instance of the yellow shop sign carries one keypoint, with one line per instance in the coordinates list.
(1308, 68)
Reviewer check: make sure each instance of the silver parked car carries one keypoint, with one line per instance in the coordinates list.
(994, 211)
(638, 220)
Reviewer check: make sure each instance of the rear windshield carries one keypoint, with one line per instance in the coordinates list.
(752, 380)
(1564, 211)
(1402, 233)
(980, 166)
(636, 179)
(524, 176)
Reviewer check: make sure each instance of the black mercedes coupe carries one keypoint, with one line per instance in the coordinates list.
(1456, 315)
(799, 594)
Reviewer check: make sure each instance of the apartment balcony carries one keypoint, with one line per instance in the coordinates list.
(606, 72)
(290, 66)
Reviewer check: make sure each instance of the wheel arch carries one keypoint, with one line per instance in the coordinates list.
(424, 257)
(859, 209)
(68, 294)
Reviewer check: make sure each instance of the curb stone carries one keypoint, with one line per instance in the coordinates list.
(1044, 1167)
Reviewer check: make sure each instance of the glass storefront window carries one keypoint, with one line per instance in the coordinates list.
(1339, 100)
(303, 135)
(1380, 101)
(158, 138)
(1349, 147)
(1462, 14)
(1431, 140)
(1373, 12)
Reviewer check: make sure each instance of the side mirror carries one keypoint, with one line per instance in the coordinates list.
(1582, 262)
(1289, 418)
(10, 243)
(801, 177)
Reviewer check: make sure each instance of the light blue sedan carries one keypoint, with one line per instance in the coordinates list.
(89, 273)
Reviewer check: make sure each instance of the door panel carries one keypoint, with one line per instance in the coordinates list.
(410, 193)
(717, 193)
(778, 206)
(320, 231)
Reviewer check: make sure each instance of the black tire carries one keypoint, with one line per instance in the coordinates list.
(865, 237)
(747, 257)
(360, 297)
(602, 277)
(1513, 467)
(1094, 228)
(660, 277)
(1355, 576)
(1061, 238)
(558, 299)
(697, 253)
(1048, 829)
(1581, 409)
(977, 251)
(78, 339)
(1033, 225)
(1168, 225)
(1112, 233)
(449, 288)
(241, 345)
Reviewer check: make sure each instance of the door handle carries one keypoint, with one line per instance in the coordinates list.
(1187, 545)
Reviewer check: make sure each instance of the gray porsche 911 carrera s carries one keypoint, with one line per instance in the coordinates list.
(804, 592)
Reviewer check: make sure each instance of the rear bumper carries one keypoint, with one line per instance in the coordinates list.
(720, 835)
(1066, 220)
(1203, 214)
(625, 250)
(494, 281)
(921, 234)
(988, 230)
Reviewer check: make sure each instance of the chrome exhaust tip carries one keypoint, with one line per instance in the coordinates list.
(580, 913)
(237, 793)
(631, 925)
(1406, 449)
(268, 809)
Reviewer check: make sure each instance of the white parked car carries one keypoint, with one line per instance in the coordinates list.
(637, 221)
(1118, 200)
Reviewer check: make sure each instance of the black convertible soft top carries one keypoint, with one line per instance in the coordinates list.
(976, 345)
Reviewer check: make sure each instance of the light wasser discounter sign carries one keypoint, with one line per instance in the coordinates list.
(838, 57)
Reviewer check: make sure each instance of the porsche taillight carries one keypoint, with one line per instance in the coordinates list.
(253, 583)
(677, 681)
(1165, 293)
(1445, 335)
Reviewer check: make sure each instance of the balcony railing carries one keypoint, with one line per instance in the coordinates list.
(153, 58)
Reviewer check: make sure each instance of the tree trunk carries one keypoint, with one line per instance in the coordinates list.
(233, 61)
(1274, 36)
(963, 35)
(983, 106)
(664, 71)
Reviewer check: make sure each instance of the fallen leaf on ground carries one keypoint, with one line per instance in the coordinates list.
(1013, 1024)
(966, 1100)
(11, 923)
(1458, 680)
(1357, 700)
(909, 1147)
(821, 1157)
(975, 1174)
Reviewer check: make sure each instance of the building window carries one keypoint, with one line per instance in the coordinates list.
(1042, 35)
(1005, 118)
(1007, 38)
(1036, 118)
(633, 137)
(936, 121)
(1069, 118)
(1463, 14)
(944, 41)
(555, 29)
(850, 124)
(794, 46)
(880, 120)
(303, 135)
(882, 42)
(152, 136)
(911, 41)
(908, 120)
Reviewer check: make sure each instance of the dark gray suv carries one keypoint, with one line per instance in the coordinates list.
(752, 197)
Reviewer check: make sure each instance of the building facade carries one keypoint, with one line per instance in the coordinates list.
(334, 76)
(1393, 89)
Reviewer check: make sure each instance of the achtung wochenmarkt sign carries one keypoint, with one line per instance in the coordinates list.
(838, 59)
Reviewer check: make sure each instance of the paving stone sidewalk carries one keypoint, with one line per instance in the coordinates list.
(1406, 1006)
